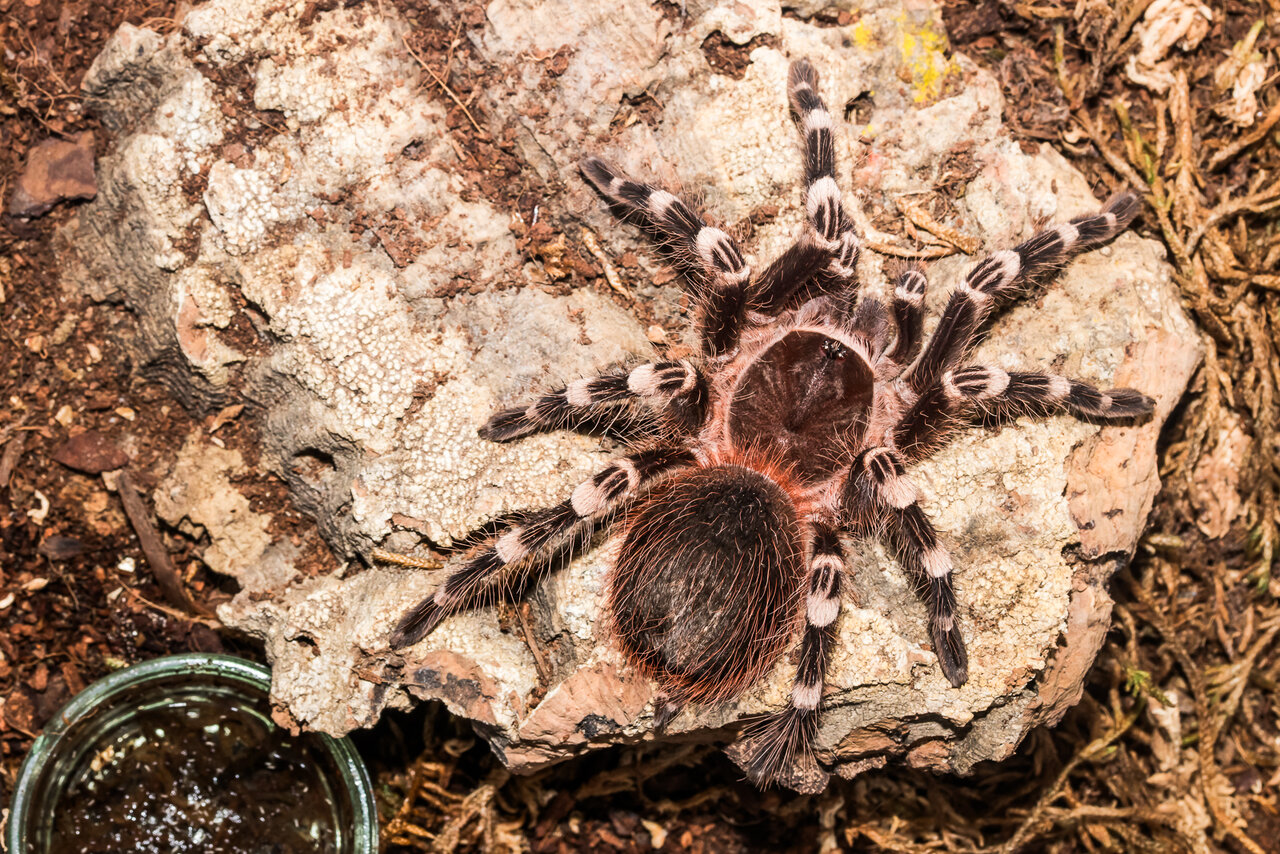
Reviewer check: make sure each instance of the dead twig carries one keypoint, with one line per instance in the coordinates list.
(211, 622)
(1094, 749)
(1259, 202)
(477, 804)
(157, 555)
(895, 251)
(630, 777)
(921, 218)
(1226, 155)
(1113, 160)
(394, 830)
(539, 662)
(610, 274)
(1081, 115)
(445, 86)
(879, 241)
(1214, 707)
(384, 556)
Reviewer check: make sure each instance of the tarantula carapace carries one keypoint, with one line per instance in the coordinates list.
(793, 428)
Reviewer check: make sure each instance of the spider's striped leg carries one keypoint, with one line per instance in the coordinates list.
(1009, 394)
(789, 272)
(830, 224)
(1001, 276)
(541, 534)
(879, 495)
(840, 276)
(833, 265)
(788, 735)
(828, 248)
(708, 251)
(676, 391)
(908, 314)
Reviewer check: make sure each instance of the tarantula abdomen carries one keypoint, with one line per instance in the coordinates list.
(703, 593)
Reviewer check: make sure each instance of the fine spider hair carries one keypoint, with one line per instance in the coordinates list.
(794, 428)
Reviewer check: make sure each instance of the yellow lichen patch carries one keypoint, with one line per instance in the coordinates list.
(862, 35)
(925, 63)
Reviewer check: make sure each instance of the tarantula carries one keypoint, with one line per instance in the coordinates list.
(794, 428)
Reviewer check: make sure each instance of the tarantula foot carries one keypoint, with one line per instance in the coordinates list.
(803, 73)
(1124, 206)
(599, 172)
(1113, 406)
(953, 658)
(506, 425)
(1129, 404)
(665, 709)
(418, 623)
(779, 748)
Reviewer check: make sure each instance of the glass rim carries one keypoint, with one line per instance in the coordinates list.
(351, 768)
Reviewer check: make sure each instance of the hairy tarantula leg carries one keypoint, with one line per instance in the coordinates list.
(1008, 395)
(822, 194)
(912, 536)
(828, 248)
(704, 248)
(908, 313)
(677, 389)
(826, 215)
(541, 534)
(1030, 393)
(879, 493)
(1001, 275)
(789, 734)
(801, 261)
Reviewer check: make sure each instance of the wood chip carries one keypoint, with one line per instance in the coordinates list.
(9, 459)
(225, 416)
(92, 453)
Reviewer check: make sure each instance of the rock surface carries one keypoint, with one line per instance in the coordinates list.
(286, 214)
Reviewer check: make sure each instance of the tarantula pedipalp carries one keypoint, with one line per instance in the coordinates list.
(793, 429)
